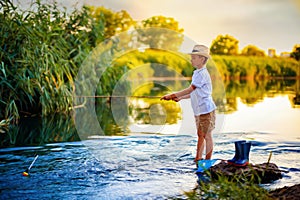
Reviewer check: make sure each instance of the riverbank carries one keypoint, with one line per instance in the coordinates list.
(224, 180)
(287, 192)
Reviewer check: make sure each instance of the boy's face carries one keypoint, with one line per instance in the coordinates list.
(197, 60)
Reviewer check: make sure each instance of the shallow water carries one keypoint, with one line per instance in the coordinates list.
(152, 162)
(139, 166)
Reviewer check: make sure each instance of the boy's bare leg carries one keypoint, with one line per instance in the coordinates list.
(200, 146)
(209, 145)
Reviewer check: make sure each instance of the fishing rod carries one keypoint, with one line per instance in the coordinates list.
(118, 96)
(26, 173)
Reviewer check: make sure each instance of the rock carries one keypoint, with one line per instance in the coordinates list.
(260, 173)
(291, 193)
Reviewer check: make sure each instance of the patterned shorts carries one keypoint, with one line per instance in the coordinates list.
(206, 122)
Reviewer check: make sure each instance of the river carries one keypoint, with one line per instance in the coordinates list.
(154, 161)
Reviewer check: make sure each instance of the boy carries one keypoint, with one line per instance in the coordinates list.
(202, 102)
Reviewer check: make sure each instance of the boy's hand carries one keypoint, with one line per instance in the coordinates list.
(176, 99)
(166, 97)
(169, 97)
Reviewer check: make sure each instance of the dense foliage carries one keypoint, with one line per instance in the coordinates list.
(41, 51)
(114, 22)
(251, 50)
(254, 67)
(40, 55)
(296, 52)
(224, 45)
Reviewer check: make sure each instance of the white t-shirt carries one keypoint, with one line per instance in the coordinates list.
(201, 99)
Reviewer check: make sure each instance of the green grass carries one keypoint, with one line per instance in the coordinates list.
(224, 188)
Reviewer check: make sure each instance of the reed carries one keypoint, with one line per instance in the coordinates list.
(41, 50)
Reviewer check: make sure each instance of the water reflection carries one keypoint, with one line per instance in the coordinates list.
(266, 106)
(251, 92)
(295, 100)
(274, 115)
(153, 112)
(37, 131)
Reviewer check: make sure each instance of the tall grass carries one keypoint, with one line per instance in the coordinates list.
(41, 50)
(40, 55)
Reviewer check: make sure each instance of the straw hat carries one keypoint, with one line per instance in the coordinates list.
(200, 50)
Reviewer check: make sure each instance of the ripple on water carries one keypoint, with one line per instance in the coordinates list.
(158, 166)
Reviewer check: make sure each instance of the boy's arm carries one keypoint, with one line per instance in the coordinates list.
(184, 97)
(183, 94)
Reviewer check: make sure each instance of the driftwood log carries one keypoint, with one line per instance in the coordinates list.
(260, 173)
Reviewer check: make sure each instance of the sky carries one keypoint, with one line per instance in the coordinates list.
(263, 23)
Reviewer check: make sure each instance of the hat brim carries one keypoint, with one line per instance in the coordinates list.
(200, 54)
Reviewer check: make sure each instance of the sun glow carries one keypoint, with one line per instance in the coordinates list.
(273, 115)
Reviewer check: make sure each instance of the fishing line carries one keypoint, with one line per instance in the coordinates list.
(103, 96)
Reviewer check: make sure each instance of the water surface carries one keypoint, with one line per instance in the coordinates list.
(155, 160)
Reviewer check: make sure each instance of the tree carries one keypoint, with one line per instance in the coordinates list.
(225, 45)
(296, 52)
(162, 22)
(251, 50)
(115, 22)
(160, 32)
